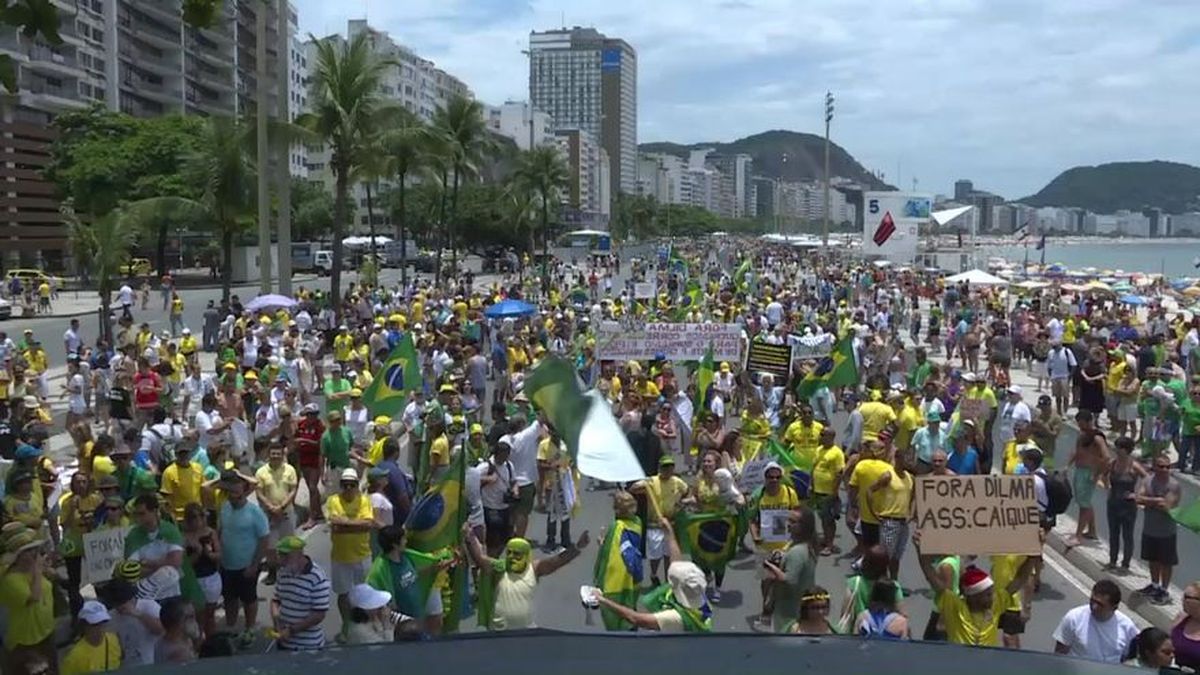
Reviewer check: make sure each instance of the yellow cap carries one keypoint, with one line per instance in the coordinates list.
(356, 393)
(382, 421)
(251, 375)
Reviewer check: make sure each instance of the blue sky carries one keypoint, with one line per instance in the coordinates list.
(1005, 92)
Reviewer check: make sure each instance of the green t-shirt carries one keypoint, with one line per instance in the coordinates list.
(1191, 418)
(332, 387)
(918, 374)
(1178, 389)
(335, 446)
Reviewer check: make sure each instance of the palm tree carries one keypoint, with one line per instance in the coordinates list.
(102, 246)
(543, 172)
(468, 141)
(519, 211)
(406, 142)
(345, 105)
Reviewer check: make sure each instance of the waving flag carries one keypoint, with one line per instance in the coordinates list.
(438, 514)
(709, 538)
(887, 227)
(1188, 516)
(836, 370)
(799, 471)
(585, 421)
(399, 374)
(1042, 244)
(1022, 232)
(619, 571)
(693, 298)
(739, 275)
(704, 379)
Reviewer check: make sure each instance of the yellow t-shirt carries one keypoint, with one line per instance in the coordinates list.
(647, 389)
(418, 311)
(28, 512)
(866, 472)
(894, 500)
(964, 627)
(44, 290)
(178, 368)
(27, 624)
(375, 452)
(1069, 331)
(907, 424)
(182, 486)
(785, 499)
(804, 440)
(350, 547)
(830, 462)
(1004, 570)
(364, 379)
(439, 452)
(876, 415)
(1113, 379)
(102, 465)
(277, 484)
(343, 347)
(187, 345)
(35, 361)
(85, 657)
(663, 498)
(176, 306)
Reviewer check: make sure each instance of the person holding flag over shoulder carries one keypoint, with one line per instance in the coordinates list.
(619, 566)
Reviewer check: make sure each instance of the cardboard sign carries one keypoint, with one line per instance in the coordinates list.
(773, 359)
(979, 515)
(102, 550)
(675, 341)
(751, 477)
(772, 525)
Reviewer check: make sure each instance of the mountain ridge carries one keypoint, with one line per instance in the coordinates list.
(1106, 188)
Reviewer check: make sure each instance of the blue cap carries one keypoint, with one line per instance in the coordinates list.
(27, 451)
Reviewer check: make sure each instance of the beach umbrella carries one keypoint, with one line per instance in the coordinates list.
(270, 301)
(1192, 291)
(1123, 287)
(509, 308)
(1098, 286)
(1135, 300)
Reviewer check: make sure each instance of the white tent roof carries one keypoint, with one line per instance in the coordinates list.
(977, 277)
(943, 217)
(587, 233)
(365, 240)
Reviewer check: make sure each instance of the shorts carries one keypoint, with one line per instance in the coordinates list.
(1011, 623)
(284, 527)
(236, 587)
(1002, 361)
(1161, 550)
(870, 533)
(345, 576)
(893, 534)
(1083, 484)
(827, 507)
(524, 505)
(211, 586)
(1060, 387)
(1127, 412)
(656, 543)
(1111, 403)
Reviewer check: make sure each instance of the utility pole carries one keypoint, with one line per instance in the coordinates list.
(260, 118)
(284, 170)
(828, 215)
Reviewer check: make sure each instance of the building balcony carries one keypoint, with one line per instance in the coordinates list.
(161, 11)
(169, 97)
(48, 97)
(217, 81)
(155, 37)
(209, 55)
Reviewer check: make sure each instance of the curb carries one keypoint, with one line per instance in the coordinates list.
(1086, 558)
(57, 315)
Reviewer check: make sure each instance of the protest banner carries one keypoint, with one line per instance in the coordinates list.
(773, 359)
(751, 477)
(773, 525)
(102, 550)
(674, 341)
(978, 515)
(806, 347)
(643, 290)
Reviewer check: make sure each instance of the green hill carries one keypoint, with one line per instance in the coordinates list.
(805, 155)
(1135, 186)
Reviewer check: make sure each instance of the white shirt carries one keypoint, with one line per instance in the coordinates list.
(125, 295)
(137, 642)
(205, 421)
(1055, 328)
(73, 343)
(357, 422)
(524, 454)
(1106, 641)
(1010, 414)
(384, 512)
(1059, 363)
(75, 401)
(492, 494)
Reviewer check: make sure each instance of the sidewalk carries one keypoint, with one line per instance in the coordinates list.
(68, 304)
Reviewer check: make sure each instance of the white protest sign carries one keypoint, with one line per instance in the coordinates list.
(978, 515)
(751, 477)
(675, 341)
(102, 550)
(772, 525)
(808, 347)
(643, 290)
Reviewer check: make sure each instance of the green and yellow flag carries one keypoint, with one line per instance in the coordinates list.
(552, 388)
(704, 379)
(399, 374)
(618, 571)
(739, 275)
(709, 538)
(836, 370)
(1188, 516)
(693, 298)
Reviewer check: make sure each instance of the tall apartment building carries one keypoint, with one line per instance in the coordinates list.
(588, 188)
(523, 124)
(588, 81)
(134, 56)
(736, 185)
(413, 82)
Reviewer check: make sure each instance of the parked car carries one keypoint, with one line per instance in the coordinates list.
(31, 278)
(426, 261)
(323, 262)
(137, 267)
(6, 309)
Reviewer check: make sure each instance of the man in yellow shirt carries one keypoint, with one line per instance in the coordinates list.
(972, 615)
(908, 420)
(350, 521)
(876, 415)
(663, 493)
(769, 510)
(182, 482)
(889, 500)
(804, 437)
(98, 649)
(871, 465)
(343, 346)
(827, 475)
(188, 344)
(277, 486)
(26, 595)
(36, 364)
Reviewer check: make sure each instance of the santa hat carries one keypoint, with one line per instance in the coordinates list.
(974, 581)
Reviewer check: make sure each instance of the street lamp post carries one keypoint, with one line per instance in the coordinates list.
(828, 215)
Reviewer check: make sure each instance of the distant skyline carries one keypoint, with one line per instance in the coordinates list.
(1006, 93)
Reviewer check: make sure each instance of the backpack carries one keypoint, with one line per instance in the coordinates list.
(1058, 493)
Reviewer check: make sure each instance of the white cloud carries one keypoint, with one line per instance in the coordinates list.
(1007, 93)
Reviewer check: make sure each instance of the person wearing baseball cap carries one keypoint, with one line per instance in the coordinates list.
(351, 519)
(302, 598)
(1014, 411)
(1046, 423)
(98, 649)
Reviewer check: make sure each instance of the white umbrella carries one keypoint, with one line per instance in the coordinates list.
(978, 278)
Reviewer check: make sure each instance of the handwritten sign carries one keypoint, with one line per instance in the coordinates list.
(644, 290)
(772, 525)
(812, 347)
(675, 341)
(980, 515)
(751, 477)
(102, 550)
(773, 359)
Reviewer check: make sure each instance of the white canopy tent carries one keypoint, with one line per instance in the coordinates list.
(366, 240)
(977, 278)
(947, 215)
(587, 233)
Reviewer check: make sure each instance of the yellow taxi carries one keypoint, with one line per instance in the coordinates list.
(31, 278)
(137, 267)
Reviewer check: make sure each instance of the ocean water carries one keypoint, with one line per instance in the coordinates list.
(1172, 258)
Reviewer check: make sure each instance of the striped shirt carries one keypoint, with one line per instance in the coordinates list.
(300, 595)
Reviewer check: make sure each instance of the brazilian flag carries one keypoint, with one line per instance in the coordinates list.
(380, 578)
(836, 370)
(693, 298)
(619, 571)
(1188, 516)
(739, 275)
(709, 538)
(437, 517)
(399, 374)
(704, 379)
(800, 472)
